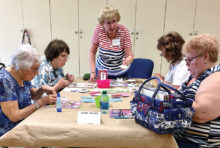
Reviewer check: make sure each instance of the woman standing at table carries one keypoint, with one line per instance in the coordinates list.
(51, 71)
(16, 90)
(170, 46)
(114, 43)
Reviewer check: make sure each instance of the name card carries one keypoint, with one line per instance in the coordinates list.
(89, 117)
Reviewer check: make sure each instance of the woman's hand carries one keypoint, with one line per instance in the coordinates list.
(159, 76)
(126, 62)
(70, 77)
(92, 77)
(49, 99)
(48, 89)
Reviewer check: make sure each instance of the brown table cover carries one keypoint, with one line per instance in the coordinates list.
(46, 127)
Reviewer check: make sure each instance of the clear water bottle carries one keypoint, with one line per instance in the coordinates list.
(104, 102)
(59, 103)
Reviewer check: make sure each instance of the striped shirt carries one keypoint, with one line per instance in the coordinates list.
(205, 134)
(111, 54)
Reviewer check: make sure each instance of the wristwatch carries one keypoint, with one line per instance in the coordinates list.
(37, 105)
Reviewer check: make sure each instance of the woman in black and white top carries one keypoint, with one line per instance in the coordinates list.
(203, 87)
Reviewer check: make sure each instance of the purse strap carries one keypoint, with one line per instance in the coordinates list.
(26, 34)
(2, 65)
(161, 85)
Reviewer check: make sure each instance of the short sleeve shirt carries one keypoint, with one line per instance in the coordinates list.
(178, 73)
(101, 38)
(111, 52)
(11, 91)
(47, 75)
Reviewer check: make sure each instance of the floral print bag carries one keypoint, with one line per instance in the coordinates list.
(171, 114)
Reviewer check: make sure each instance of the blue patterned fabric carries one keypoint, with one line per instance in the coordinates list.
(11, 91)
(47, 75)
(171, 116)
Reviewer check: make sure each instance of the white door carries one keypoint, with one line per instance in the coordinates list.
(64, 26)
(11, 26)
(149, 27)
(36, 14)
(208, 18)
(127, 10)
(180, 16)
(88, 18)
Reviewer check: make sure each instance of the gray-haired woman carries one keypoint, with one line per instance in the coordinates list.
(16, 90)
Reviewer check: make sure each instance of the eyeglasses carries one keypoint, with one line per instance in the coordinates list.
(110, 23)
(64, 57)
(34, 69)
(189, 60)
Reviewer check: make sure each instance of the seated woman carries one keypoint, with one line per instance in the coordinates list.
(171, 45)
(51, 71)
(203, 87)
(16, 91)
(113, 40)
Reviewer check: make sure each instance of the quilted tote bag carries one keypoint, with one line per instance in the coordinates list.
(171, 114)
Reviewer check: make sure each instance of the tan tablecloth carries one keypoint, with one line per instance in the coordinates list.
(46, 127)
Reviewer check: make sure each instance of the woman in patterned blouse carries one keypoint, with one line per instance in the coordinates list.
(203, 87)
(114, 44)
(51, 71)
(16, 90)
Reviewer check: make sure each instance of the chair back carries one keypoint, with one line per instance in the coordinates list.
(140, 68)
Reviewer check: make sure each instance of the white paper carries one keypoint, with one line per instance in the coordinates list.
(124, 67)
(67, 89)
(89, 117)
(159, 96)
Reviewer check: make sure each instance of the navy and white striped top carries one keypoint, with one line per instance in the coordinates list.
(110, 60)
(111, 56)
(205, 134)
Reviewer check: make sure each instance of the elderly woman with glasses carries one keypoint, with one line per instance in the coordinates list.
(170, 46)
(114, 44)
(202, 87)
(51, 71)
(16, 90)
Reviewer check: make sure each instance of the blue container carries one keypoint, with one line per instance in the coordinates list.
(59, 103)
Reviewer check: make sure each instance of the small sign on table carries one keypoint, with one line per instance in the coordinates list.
(89, 117)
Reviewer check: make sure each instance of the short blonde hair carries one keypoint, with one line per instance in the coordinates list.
(107, 13)
(203, 43)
